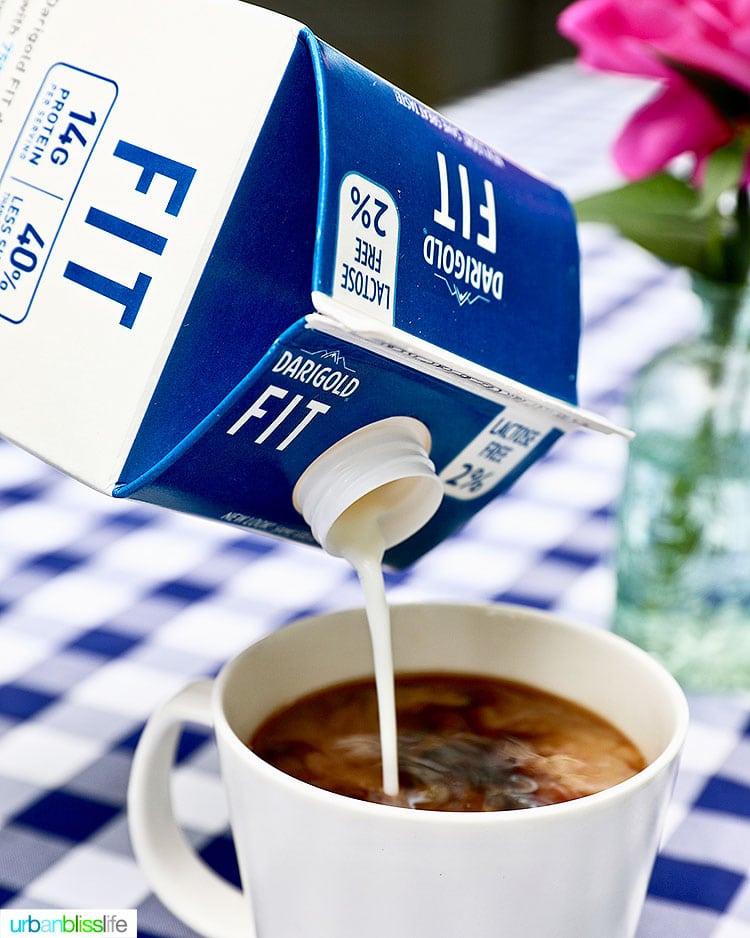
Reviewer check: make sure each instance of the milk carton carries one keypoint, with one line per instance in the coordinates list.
(224, 246)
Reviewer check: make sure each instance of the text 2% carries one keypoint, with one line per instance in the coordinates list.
(474, 479)
(368, 216)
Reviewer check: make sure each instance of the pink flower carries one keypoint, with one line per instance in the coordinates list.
(661, 39)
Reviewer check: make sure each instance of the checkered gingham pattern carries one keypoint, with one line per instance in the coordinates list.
(107, 607)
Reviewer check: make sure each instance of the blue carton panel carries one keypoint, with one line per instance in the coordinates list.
(486, 268)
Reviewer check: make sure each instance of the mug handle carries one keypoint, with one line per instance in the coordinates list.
(184, 883)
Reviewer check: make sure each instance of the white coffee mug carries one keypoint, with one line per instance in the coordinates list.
(319, 865)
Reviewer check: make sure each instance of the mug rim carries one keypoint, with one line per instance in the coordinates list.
(400, 814)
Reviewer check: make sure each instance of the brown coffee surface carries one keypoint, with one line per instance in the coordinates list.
(465, 743)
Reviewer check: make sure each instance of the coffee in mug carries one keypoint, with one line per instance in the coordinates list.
(465, 743)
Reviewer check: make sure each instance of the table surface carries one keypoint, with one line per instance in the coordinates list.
(107, 607)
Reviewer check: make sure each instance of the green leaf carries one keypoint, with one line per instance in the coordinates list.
(724, 170)
(661, 193)
(659, 214)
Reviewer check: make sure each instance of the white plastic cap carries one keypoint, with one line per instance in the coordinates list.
(390, 455)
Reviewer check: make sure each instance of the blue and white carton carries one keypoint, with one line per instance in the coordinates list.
(224, 246)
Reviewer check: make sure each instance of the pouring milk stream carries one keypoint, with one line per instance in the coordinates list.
(357, 537)
(370, 491)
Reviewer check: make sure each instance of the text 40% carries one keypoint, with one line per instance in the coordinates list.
(368, 216)
(23, 257)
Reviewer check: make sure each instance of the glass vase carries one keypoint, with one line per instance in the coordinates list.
(683, 555)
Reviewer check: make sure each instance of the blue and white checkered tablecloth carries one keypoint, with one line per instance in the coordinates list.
(107, 607)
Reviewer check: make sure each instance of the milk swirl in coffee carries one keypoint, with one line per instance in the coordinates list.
(465, 743)
(461, 742)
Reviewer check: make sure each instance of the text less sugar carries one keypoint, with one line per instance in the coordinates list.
(368, 492)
